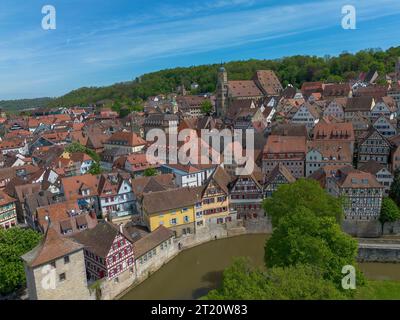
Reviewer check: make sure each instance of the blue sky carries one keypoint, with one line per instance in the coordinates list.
(100, 42)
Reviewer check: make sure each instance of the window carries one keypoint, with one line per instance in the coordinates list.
(53, 264)
(173, 221)
(186, 219)
(66, 259)
(62, 276)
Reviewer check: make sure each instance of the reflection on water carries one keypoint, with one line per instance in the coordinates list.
(196, 271)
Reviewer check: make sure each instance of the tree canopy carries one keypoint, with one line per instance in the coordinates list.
(291, 70)
(389, 212)
(206, 107)
(394, 192)
(14, 242)
(241, 281)
(302, 193)
(303, 237)
(77, 147)
(149, 172)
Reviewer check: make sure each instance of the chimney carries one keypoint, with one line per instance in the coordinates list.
(121, 229)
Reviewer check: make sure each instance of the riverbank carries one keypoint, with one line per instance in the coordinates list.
(195, 271)
(379, 290)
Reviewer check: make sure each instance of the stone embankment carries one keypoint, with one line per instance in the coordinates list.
(206, 234)
(379, 250)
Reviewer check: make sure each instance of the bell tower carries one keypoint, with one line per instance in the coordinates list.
(222, 92)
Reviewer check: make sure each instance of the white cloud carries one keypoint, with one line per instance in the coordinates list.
(75, 52)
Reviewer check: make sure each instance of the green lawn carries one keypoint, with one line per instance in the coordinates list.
(379, 290)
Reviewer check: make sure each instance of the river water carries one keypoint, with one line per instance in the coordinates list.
(196, 271)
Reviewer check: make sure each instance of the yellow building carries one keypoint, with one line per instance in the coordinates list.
(174, 209)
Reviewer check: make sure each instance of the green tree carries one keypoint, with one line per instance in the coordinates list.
(389, 212)
(77, 147)
(304, 237)
(149, 172)
(95, 169)
(302, 193)
(294, 70)
(123, 112)
(243, 282)
(206, 107)
(14, 243)
(395, 187)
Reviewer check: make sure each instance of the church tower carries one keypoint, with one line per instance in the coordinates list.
(222, 92)
(397, 69)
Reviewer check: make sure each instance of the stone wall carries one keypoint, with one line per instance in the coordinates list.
(379, 250)
(45, 284)
(362, 229)
(370, 229)
(111, 289)
(259, 225)
(156, 262)
(391, 228)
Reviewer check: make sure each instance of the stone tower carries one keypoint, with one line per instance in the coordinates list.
(397, 69)
(55, 269)
(222, 92)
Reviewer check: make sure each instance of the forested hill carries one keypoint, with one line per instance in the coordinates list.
(294, 70)
(21, 104)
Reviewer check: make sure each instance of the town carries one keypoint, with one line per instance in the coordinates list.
(109, 216)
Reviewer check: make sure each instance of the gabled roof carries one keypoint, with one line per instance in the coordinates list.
(280, 169)
(99, 239)
(244, 88)
(326, 130)
(348, 177)
(156, 183)
(53, 246)
(372, 166)
(255, 176)
(332, 150)
(5, 198)
(161, 201)
(285, 129)
(151, 241)
(221, 178)
(72, 185)
(268, 82)
(367, 134)
(129, 139)
(285, 144)
(334, 89)
(64, 213)
(355, 104)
